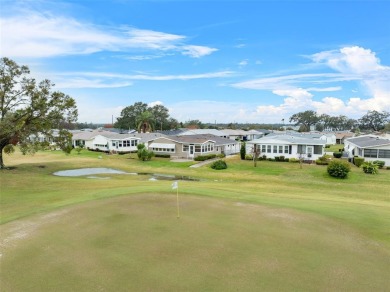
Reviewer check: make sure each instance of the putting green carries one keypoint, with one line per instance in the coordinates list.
(136, 243)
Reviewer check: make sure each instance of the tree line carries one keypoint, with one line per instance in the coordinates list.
(372, 121)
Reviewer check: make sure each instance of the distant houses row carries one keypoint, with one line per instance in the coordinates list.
(190, 143)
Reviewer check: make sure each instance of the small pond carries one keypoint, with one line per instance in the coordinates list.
(92, 172)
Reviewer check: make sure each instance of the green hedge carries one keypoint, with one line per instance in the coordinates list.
(162, 155)
(337, 154)
(358, 161)
(205, 157)
(380, 163)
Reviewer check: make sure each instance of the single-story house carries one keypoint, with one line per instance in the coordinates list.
(242, 135)
(215, 132)
(112, 142)
(329, 138)
(191, 146)
(369, 147)
(288, 146)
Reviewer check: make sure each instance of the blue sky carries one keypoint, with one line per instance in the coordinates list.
(215, 61)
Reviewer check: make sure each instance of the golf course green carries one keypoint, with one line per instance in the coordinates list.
(274, 227)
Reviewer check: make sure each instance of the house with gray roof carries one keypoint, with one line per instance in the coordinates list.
(112, 142)
(369, 147)
(288, 146)
(214, 132)
(191, 146)
(242, 135)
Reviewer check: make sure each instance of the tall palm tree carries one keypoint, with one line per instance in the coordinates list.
(145, 122)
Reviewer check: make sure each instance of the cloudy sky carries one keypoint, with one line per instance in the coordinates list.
(224, 61)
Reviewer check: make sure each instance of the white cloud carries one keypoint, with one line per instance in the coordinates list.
(350, 63)
(153, 103)
(107, 80)
(243, 63)
(33, 34)
(197, 51)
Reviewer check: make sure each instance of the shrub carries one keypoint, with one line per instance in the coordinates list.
(337, 154)
(388, 167)
(358, 161)
(293, 160)
(264, 157)
(322, 162)
(248, 157)
(143, 153)
(286, 159)
(338, 168)
(243, 151)
(380, 163)
(221, 155)
(370, 167)
(277, 158)
(327, 146)
(163, 155)
(271, 159)
(281, 158)
(205, 157)
(218, 165)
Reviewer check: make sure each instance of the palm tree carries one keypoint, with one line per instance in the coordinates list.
(145, 122)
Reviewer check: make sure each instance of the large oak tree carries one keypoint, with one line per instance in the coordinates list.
(29, 108)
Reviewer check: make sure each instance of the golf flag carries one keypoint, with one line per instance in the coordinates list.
(175, 186)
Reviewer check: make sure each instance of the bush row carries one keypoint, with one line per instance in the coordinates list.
(205, 157)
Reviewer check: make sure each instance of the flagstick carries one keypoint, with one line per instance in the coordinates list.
(177, 201)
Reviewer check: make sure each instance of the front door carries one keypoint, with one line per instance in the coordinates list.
(309, 151)
(192, 150)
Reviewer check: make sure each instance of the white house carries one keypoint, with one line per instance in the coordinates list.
(214, 132)
(288, 146)
(112, 142)
(369, 147)
(241, 134)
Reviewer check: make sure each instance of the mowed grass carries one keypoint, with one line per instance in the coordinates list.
(274, 227)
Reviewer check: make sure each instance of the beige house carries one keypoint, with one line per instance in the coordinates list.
(191, 146)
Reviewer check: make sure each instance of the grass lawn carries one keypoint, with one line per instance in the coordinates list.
(273, 227)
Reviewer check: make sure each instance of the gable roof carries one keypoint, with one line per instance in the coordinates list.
(203, 132)
(200, 139)
(287, 139)
(369, 141)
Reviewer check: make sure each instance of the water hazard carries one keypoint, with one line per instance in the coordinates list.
(92, 172)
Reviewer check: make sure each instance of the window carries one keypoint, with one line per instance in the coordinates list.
(280, 149)
(371, 153)
(275, 149)
(263, 148)
(302, 149)
(286, 149)
(317, 149)
(185, 147)
(384, 154)
(360, 151)
(197, 148)
(268, 148)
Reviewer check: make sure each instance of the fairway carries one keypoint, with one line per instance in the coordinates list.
(273, 228)
(136, 243)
